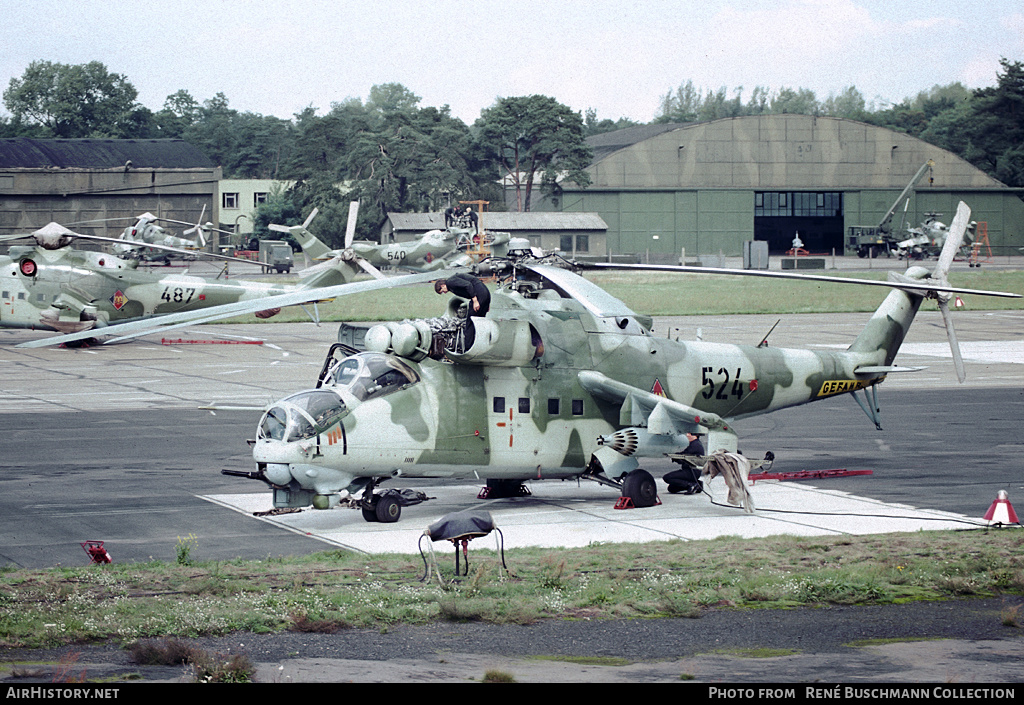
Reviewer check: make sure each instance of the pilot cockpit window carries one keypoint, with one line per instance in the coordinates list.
(302, 415)
(369, 375)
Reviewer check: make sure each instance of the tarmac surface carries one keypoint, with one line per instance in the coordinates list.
(108, 443)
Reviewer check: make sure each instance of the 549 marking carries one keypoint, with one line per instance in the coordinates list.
(720, 382)
(178, 294)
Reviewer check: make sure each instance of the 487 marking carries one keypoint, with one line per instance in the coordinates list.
(178, 294)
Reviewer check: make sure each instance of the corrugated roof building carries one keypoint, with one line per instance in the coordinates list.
(107, 182)
(574, 233)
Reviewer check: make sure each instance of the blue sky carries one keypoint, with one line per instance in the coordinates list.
(276, 57)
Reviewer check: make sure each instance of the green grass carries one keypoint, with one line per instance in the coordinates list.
(674, 295)
(660, 294)
(337, 590)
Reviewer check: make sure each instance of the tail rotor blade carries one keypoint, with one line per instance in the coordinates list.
(954, 346)
(954, 238)
(376, 273)
(199, 227)
(350, 230)
(294, 230)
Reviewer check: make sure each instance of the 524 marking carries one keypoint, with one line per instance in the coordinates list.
(178, 294)
(718, 385)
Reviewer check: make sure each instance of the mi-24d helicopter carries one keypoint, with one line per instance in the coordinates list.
(558, 380)
(147, 231)
(432, 251)
(52, 286)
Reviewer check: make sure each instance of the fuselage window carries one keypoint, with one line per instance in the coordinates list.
(498, 405)
(577, 407)
(524, 405)
(553, 407)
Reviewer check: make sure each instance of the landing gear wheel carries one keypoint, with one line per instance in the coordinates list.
(388, 510)
(640, 487)
(369, 505)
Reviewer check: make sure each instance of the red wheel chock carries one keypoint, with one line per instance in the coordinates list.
(627, 503)
(96, 552)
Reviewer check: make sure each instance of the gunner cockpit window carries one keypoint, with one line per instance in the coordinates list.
(302, 415)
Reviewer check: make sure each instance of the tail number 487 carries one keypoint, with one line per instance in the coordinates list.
(178, 294)
(717, 384)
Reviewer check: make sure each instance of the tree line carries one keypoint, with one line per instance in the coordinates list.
(398, 156)
(984, 126)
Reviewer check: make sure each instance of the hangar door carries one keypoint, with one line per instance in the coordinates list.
(816, 215)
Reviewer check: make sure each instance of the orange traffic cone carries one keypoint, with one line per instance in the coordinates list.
(1001, 512)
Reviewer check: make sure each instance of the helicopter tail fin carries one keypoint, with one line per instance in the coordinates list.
(310, 244)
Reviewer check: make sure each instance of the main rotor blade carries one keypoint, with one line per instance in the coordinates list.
(906, 285)
(55, 233)
(954, 345)
(169, 321)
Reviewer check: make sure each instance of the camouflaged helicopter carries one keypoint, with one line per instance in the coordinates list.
(559, 380)
(927, 240)
(432, 251)
(146, 230)
(52, 286)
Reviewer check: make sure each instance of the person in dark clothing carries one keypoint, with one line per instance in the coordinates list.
(474, 223)
(686, 479)
(451, 215)
(469, 287)
(695, 447)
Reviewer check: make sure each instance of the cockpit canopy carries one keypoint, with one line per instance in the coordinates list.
(371, 374)
(302, 415)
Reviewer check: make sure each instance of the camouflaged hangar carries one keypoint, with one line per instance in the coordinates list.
(706, 188)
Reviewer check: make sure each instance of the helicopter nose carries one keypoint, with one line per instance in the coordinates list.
(270, 451)
(278, 473)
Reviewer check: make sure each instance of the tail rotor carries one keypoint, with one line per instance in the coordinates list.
(198, 229)
(319, 251)
(950, 247)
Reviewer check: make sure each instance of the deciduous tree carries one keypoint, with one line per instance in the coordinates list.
(535, 136)
(83, 100)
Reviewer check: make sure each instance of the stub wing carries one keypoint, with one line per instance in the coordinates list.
(661, 416)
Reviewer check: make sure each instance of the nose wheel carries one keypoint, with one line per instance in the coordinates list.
(384, 508)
